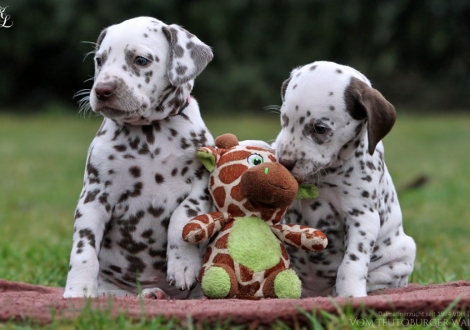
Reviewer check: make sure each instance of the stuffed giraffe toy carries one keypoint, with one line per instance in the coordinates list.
(245, 257)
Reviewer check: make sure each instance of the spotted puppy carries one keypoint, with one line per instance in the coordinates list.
(142, 181)
(332, 125)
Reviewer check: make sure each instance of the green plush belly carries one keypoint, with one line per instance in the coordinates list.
(253, 244)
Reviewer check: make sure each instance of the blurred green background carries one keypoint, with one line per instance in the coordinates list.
(417, 53)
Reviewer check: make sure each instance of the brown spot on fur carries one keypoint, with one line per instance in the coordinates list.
(189, 228)
(276, 269)
(233, 156)
(235, 211)
(219, 196)
(208, 254)
(236, 193)
(210, 229)
(249, 290)
(267, 213)
(285, 255)
(203, 218)
(250, 207)
(229, 174)
(222, 242)
(246, 274)
(211, 182)
(255, 148)
(294, 238)
(318, 247)
(225, 259)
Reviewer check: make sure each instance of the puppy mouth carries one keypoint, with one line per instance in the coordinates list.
(309, 174)
(114, 113)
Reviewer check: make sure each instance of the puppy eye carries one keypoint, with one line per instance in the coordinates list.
(320, 129)
(141, 61)
(255, 159)
(98, 61)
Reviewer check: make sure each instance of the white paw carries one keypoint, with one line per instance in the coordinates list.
(349, 293)
(81, 291)
(184, 265)
(154, 293)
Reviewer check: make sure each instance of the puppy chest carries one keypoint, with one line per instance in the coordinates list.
(138, 232)
(132, 246)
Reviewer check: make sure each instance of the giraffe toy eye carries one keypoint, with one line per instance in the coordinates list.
(255, 159)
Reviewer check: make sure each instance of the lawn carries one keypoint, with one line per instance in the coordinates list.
(42, 160)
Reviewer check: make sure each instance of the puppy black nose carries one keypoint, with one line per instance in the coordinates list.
(288, 163)
(104, 91)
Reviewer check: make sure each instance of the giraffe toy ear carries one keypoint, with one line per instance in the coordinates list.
(208, 157)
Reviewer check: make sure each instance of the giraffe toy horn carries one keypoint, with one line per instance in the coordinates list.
(209, 156)
(226, 141)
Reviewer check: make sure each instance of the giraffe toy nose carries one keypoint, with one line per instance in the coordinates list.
(270, 184)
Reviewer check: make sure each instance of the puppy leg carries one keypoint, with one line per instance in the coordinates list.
(361, 229)
(396, 270)
(185, 259)
(82, 279)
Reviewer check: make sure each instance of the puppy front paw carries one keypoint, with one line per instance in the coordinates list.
(154, 293)
(184, 265)
(80, 290)
(348, 292)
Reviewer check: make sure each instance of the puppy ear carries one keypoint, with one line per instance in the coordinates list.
(188, 55)
(100, 39)
(284, 87)
(363, 101)
(286, 82)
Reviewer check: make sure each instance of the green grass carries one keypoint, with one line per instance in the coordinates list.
(436, 215)
(42, 160)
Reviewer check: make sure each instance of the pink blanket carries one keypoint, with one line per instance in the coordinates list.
(20, 301)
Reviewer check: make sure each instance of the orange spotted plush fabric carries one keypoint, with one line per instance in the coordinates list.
(246, 257)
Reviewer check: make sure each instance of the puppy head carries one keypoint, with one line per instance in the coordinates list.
(145, 70)
(328, 112)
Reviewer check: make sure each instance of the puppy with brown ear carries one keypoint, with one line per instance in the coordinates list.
(142, 180)
(333, 122)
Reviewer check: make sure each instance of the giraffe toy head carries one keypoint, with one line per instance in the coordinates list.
(247, 180)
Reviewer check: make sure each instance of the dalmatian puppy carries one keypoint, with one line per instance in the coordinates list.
(142, 182)
(333, 122)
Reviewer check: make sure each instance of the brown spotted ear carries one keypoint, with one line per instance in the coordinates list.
(188, 55)
(284, 87)
(226, 141)
(100, 39)
(363, 101)
(286, 82)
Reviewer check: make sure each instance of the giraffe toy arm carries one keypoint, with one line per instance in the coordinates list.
(300, 237)
(204, 226)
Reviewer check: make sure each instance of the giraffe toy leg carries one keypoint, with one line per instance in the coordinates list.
(283, 284)
(219, 281)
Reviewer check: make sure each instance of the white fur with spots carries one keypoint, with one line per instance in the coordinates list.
(332, 123)
(142, 181)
